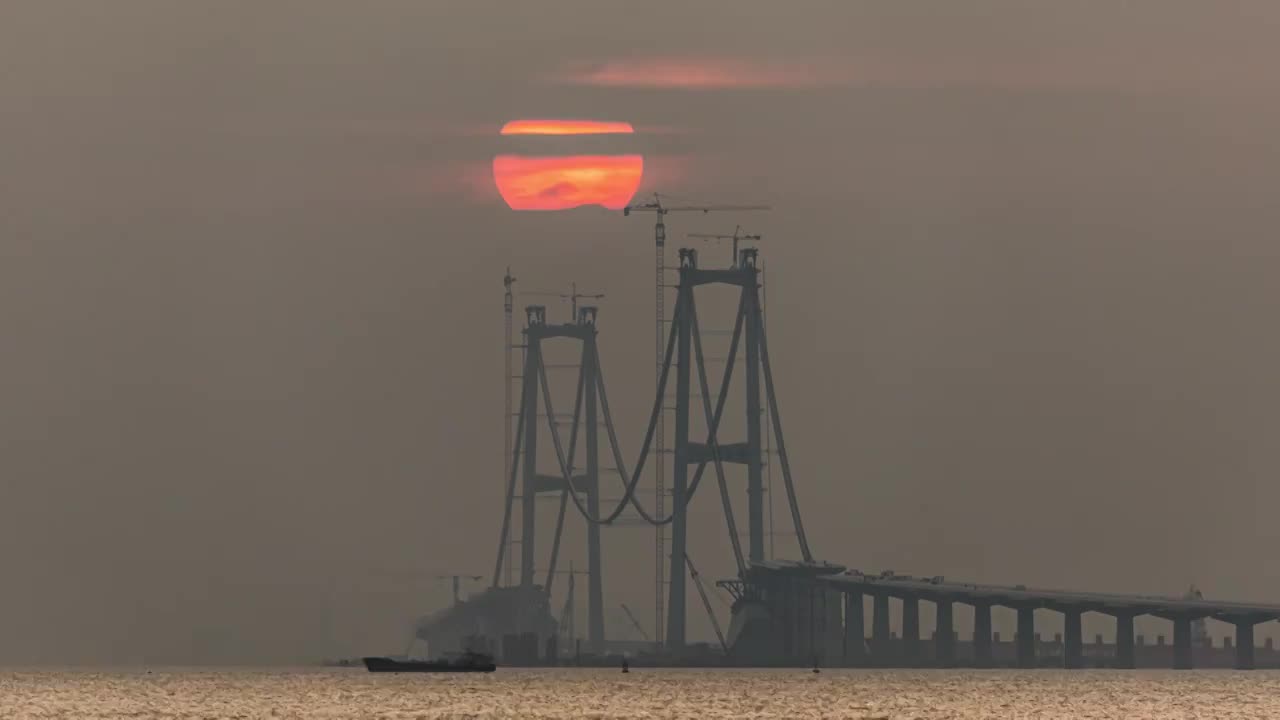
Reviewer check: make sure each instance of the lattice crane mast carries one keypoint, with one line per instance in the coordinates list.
(508, 301)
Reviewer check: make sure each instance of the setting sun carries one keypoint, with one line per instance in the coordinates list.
(564, 182)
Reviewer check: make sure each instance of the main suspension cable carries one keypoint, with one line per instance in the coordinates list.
(712, 445)
(564, 494)
(720, 403)
(511, 483)
(629, 496)
(777, 434)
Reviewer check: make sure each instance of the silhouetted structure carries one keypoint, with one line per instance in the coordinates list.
(536, 403)
(788, 612)
(818, 608)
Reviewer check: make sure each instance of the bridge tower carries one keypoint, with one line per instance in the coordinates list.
(535, 407)
(745, 275)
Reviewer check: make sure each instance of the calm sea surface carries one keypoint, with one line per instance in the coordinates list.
(191, 694)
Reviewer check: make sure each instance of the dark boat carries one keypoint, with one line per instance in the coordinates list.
(466, 662)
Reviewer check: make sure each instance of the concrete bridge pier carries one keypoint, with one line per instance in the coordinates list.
(804, 612)
(982, 656)
(1124, 641)
(880, 641)
(1182, 642)
(1073, 639)
(911, 631)
(855, 649)
(1244, 644)
(832, 627)
(945, 634)
(1026, 638)
(803, 594)
(776, 599)
(785, 621)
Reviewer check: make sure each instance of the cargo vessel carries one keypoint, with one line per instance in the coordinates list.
(464, 662)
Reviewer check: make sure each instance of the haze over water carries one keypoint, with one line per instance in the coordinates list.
(573, 693)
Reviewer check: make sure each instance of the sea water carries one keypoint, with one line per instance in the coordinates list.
(215, 694)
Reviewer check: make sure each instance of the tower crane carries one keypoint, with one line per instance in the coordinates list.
(736, 237)
(573, 296)
(660, 211)
(457, 583)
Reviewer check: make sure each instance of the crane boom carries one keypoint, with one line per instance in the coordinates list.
(736, 237)
(635, 622)
(706, 603)
(573, 296)
(663, 209)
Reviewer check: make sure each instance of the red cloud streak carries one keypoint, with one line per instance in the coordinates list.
(566, 127)
(700, 74)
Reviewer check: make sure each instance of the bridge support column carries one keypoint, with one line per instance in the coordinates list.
(1181, 643)
(982, 655)
(832, 627)
(1244, 644)
(1026, 637)
(855, 635)
(784, 625)
(880, 643)
(911, 631)
(1124, 642)
(945, 634)
(788, 619)
(804, 622)
(1073, 640)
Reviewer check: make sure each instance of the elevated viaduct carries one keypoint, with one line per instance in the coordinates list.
(797, 612)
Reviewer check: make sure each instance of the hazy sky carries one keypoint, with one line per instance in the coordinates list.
(1022, 266)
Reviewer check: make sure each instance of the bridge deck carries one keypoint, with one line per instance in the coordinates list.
(1022, 596)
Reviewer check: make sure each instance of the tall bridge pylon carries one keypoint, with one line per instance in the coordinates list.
(748, 331)
(535, 403)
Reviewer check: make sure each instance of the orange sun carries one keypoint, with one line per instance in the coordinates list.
(562, 182)
(567, 181)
